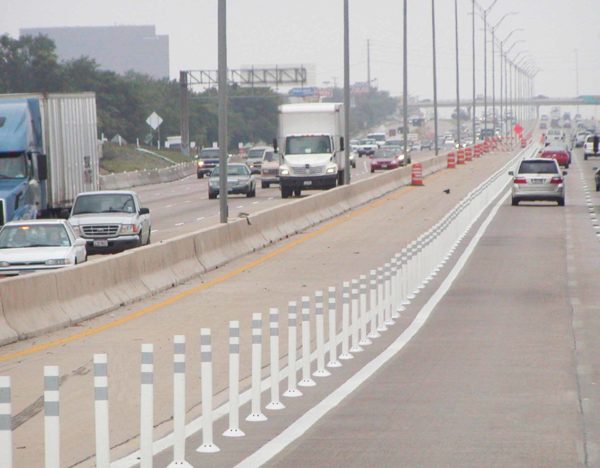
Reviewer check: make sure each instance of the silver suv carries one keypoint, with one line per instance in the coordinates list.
(538, 180)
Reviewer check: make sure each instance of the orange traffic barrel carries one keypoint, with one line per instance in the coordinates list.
(451, 160)
(417, 174)
(460, 158)
(468, 154)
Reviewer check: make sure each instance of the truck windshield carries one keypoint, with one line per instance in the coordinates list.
(255, 153)
(210, 153)
(104, 203)
(316, 144)
(13, 166)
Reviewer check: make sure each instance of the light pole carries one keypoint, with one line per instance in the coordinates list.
(223, 137)
(485, 13)
(347, 94)
(405, 79)
(503, 84)
(457, 74)
(435, 104)
(509, 82)
(494, 64)
(473, 107)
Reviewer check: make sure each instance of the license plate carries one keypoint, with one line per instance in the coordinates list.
(538, 181)
(384, 166)
(308, 182)
(100, 243)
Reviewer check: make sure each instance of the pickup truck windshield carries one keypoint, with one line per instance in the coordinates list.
(255, 153)
(317, 144)
(104, 203)
(13, 166)
(210, 153)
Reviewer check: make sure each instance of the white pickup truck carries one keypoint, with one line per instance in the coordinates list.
(110, 220)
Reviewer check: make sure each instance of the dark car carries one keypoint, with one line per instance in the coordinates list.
(426, 144)
(239, 181)
(597, 178)
(206, 161)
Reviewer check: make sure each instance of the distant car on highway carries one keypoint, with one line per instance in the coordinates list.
(206, 161)
(36, 245)
(111, 220)
(426, 144)
(555, 135)
(379, 137)
(239, 181)
(580, 138)
(389, 157)
(543, 125)
(367, 146)
(591, 147)
(560, 153)
(538, 180)
(269, 171)
(256, 157)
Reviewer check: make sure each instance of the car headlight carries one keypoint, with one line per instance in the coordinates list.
(331, 170)
(129, 229)
(56, 261)
(284, 171)
(4, 264)
(200, 163)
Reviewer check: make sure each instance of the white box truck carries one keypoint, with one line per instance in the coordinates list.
(311, 147)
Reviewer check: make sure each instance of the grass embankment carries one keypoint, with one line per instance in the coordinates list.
(127, 158)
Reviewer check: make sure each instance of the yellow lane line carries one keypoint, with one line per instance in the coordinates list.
(209, 284)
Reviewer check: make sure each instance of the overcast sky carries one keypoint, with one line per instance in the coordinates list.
(310, 32)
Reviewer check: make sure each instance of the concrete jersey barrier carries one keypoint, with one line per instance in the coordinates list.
(126, 180)
(65, 297)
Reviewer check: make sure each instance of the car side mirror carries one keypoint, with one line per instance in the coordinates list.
(79, 242)
(565, 173)
(144, 211)
(511, 173)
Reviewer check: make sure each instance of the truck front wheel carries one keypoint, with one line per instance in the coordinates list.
(340, 178)
(286, 192)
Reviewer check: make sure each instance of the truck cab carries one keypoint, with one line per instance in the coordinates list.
(312, 147)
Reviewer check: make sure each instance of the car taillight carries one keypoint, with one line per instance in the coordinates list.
(556, 180)
(520, 180)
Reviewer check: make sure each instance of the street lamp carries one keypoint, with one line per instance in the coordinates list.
(435, 104)
(223, 100)
(457, 74)
(511, 13)
(347, 94)
(503, 83)
(485, 13)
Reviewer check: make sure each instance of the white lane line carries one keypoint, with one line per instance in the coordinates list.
(169, 206)
(312, 416)
(179, 224)
(200, 218)
(238, 207)
(270, 198)
(154, 230)
(187, 201)
(255, 203)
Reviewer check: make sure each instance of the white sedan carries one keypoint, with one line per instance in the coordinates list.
(35, 245)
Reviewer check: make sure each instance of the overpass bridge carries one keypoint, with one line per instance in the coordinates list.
(537, 102)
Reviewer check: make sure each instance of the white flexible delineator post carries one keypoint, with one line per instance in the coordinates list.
(6, 449)
(387, 285)
(306, 381)
(320, 331)
(256, 414)
(395, 278)
(275, 403)
(373, 333)
(206, 376)
(292, 391)
(234, 381)
(354, 326)
(147, 405)
(363, 312)
(101, 415)
(346, 322)
(332, 328)
(381, 301)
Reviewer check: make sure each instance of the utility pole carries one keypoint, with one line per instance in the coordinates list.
(435, 104)
(485, 70)
(347, 93)
(405, 79)
(369, 63)
(457, 74)
(184, 116)
(223, 137)
(474, 107)
(577, 75)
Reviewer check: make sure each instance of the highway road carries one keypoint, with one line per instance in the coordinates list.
(183, 206)
(321, 257)
(504, 372)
